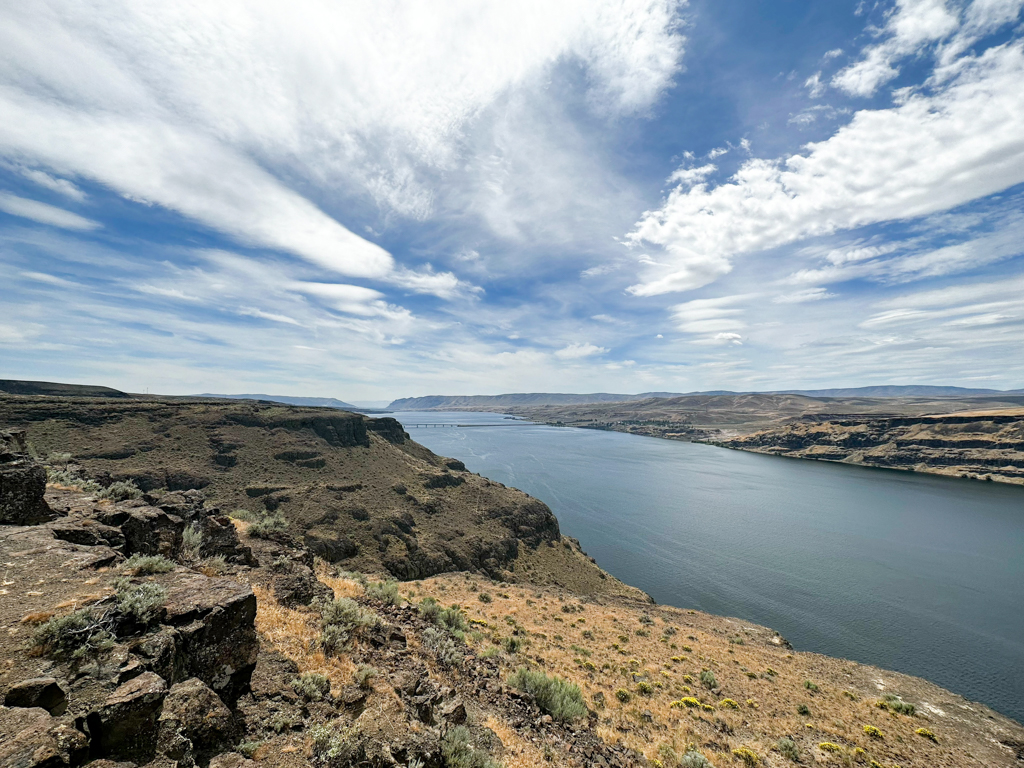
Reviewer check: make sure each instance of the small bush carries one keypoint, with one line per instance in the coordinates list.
(453, 619)
(511, 644)
(459, 752)
(443, 647)
(364, 676)
(623, 695)
(70, 479)
(340, 620)
(694, 759)
(748, 756)
(707, 679)
(335, 745)
(122, 490)
(267, 525)
(926, 734)
(873, 732)
(828, 746)
(191, 544)
(896, 705)
(644, 688)
(485, 597)
(140, 603)
(147, 565)
(559, 698)
(214, 566)
(73, 636)
(490, 653)
(689, 701)
(384, 591)
(804, 710)
(429, 609)
(728, 704)
(312, 686)
(788, 749)
(812, 687)
(244, 515)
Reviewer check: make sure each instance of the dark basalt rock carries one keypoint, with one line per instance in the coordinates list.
(22, 483)
(195, 723)
(124, 726)
(151, 531)
(42, 692)
(30, 738)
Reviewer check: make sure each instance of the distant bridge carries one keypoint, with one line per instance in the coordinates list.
(431, 425)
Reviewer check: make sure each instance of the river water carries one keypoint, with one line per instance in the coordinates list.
(914, 573)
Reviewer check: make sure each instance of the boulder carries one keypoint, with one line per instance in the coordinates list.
(151, 531)
(193, 713)
(43, 692)
(213, 632)
(22, 483)
(124, 726)
(30, 738)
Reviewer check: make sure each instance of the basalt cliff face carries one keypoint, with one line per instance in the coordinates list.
(355, 490)
(157, 631)
(980, 445)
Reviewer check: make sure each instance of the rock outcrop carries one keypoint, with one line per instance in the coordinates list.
(22, 483)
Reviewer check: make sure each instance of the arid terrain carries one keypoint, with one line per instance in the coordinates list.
(162, 629)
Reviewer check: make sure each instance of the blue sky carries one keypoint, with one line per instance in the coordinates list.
(376, 200)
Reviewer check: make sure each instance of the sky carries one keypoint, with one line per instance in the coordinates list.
(372, 200)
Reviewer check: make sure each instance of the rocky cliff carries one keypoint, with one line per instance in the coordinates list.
(155, 631)
(983, 445)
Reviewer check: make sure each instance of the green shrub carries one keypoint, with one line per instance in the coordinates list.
(429, 609)
(623, 695)
(122, 490)
(312, 686)
(511, 644)
(441, 644)
(139, 603)
(147, 565)
(728, 704)
(191, 544)
(334, 744)
(707, 679)
(340, 621)
(384, 591)
(804, 710)
(896, 705)
(559, 698)
(70, 479)
(485, 597)
(694, 759)
(459, 752)
(245, 515)
(812, 687)
(364, 676)
(267, 525)
(74, 636)
(788, 749)
(490, 652)
(924, 733)
(453, 619)
(248, 748)
(873, 732)
(644, 688)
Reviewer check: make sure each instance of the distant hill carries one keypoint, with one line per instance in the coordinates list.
(895, 391)
(14, 387)
(441, 402)
(455, 402)
(319, 402)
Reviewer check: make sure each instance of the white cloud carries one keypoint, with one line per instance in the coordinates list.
(578, 351)
(207, 109)
(61, 186)
(710, 317)
(928, 154)
(815, 88)
(911, 25)
(444, 285)
(801, 297)
(43, 213)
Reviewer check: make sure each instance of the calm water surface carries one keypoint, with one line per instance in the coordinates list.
(919, 574)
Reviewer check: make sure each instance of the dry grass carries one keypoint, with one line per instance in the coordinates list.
(519, 753)
(294, 633)
(627, 644)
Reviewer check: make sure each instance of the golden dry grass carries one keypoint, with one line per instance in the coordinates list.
(294, 633)
(606, 645)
